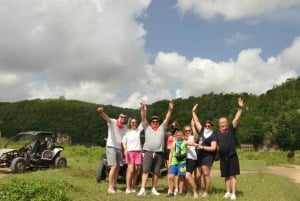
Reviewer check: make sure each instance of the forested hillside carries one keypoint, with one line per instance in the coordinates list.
(272, 118)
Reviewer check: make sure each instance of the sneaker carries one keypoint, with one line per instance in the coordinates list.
(133, 191)
(141, 193)
(175, 191)
(170, 194)
(128, 191)
(111, 191)
(195, 195)
(233, 197)
(227, 195)
(154, 192)
(204, 195)
(200, 191)
(181, 194)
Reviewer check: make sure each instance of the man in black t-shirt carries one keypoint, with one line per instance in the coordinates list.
(229, 162)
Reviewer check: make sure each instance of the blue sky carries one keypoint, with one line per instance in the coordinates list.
(217, 39)
(119, 52)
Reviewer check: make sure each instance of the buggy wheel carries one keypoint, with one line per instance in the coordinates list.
(60, 162)
(18, 165)
(101, 173)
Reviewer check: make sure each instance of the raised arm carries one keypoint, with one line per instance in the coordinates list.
(103, 114)
(196, 119)
(143, 113)
(169, 113)
(195, 132)
(238, 114)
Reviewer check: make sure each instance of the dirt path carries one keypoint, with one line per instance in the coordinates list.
(292, 173)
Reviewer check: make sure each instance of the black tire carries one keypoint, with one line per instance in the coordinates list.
(18, 165)
(101, 173)
(60, 162)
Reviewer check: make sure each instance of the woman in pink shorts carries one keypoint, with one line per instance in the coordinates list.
(133, 153)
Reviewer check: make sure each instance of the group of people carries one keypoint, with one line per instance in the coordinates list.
(189, 152)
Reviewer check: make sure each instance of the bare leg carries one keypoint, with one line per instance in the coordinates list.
(144, 179)
(180, 183)
(135, 175)
(198, 176)
(171, 183)
(233, 182)
(190, 181)
(227, 184)
(206, 174)
(130, 171)
(113, 176)
(154, 180)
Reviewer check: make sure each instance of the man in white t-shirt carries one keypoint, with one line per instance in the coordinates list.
(153, 147)
(116, 131)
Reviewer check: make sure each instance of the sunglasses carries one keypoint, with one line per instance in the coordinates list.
(207, 126)
(187, 130)
(155, 121)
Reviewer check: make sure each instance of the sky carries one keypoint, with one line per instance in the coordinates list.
(120, 52)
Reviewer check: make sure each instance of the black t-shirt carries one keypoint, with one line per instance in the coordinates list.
(227, 142)
(206, 142)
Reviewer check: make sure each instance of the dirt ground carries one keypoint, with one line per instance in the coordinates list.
(292, 173)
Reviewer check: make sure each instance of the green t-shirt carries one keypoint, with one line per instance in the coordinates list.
(183, 150)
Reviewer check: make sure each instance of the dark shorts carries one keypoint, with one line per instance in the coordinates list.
(229, 166)
(152, 161)
(206, 160)
(191, 165)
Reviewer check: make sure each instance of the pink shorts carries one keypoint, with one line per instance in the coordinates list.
(133, 157)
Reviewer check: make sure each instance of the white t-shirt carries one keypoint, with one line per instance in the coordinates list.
(154, 140)
(191, 153)
(115, 134)
(132, 139)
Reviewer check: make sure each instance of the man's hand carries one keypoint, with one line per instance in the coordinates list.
(195, 108)
(100, 109)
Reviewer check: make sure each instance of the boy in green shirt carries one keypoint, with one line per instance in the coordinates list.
(177, 165)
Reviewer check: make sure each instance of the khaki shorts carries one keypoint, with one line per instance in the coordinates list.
(114, 156)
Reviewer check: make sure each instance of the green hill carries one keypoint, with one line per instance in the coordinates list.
(269, 119)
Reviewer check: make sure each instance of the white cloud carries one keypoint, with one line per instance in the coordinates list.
(233, 9)
(94, 51)
(290, 56)
(248, 73)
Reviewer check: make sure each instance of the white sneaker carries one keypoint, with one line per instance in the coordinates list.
(133, 191)
(204, 195)
(128, 191)
(141, 193)
(154, 192)
(233, 197)
(227, 195)
(111, 191)
(175, 191)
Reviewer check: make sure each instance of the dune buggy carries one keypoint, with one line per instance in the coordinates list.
(39, 150)
(103, 169)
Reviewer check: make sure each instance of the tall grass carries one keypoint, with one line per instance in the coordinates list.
(77, 181)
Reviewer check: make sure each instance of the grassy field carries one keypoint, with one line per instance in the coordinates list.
(77, 181)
